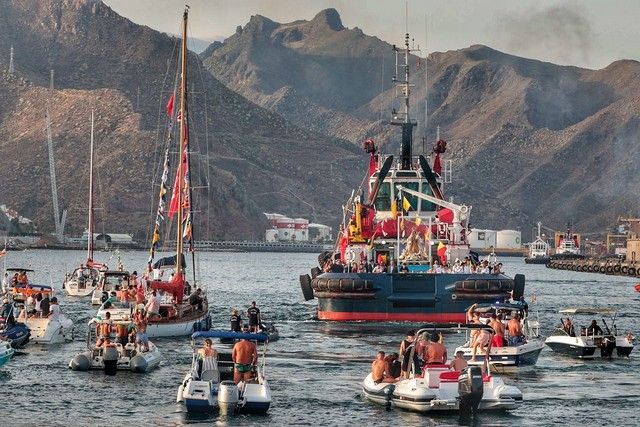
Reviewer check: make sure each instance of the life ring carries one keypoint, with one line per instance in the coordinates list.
(455, 297)
(350, 255)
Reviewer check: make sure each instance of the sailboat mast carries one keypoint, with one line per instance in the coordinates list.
(90, 238)
(183, 89)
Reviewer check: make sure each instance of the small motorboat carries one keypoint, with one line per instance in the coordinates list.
(587, 340)
(45, 330)
(6, 351)
(112, 356)
(434, 387)
(23, 288)
(267, 328)
(510, 356)
(209, 385)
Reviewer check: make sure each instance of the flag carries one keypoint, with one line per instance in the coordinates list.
(406, 206)
(170, 105)
(394, 209)
(418, 221)
(442, 253)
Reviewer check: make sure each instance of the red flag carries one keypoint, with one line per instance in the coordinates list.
(442, 253)
(437, 166)
(173, 205)
(170, 106)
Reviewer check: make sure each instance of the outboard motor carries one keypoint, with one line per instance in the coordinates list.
(228, 397)
(110, 360)
(470, 391)
(607, 346)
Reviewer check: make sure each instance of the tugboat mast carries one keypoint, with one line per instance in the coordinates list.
(405, 122)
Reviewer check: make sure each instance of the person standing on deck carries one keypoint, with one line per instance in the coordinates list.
(244, 356)
(253, 313)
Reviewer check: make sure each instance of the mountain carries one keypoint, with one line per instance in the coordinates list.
(528, 140)
(250, 161)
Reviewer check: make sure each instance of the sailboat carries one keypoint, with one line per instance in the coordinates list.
(84, 279)
(177, 317)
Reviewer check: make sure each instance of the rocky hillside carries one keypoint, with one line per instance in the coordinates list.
(529, 140)
(255, 160)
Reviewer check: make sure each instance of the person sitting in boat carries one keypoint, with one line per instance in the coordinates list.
(122, 333)
(153, 305)
(244, 357)
(196, 300)
(498, 327)
(435, 353)
(567, 326)
(380, 268)
(594, 328)
(207, 349)
(629, 338)
(131, 294)
(22, 278)
(497, 269)
(394, 365)
(458, 363)
(235, 320)
(80, 272)
(104, 329)
(516, 337)
(380, 370)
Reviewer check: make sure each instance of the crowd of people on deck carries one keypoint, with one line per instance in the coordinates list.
(464, 266)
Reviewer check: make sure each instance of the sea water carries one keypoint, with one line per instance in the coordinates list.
(316, 368)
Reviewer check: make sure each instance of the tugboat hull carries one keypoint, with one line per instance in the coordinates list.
(406, 297)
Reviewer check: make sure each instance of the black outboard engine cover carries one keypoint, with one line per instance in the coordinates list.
(470, 391)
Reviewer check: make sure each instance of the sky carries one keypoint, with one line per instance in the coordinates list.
(587, 33)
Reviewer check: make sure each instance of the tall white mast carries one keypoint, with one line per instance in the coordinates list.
(90, 239)
(58, 221)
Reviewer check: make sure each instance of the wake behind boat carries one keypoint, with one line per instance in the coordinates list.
(209, 385)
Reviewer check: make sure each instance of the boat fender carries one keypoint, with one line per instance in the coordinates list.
(602, 269)
(584, 268)
(617, 268)
(609, 269)
(80, 362)
(180, 391)
(631, 271)
(482, 285)
(590, 268)
(138, 364)
(305, 284)
(494, 285)
(548, 265)
(624, 269)
(315, 272)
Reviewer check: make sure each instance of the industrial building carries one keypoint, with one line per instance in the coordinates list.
(285, 229)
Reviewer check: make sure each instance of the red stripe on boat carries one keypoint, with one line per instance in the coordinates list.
(402, 317)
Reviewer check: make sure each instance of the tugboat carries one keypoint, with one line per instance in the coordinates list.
(567, 245)
(404, 217)
(538, 250)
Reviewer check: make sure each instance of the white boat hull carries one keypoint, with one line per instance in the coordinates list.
(73, 287)
(166, 328)
(126, 359)
(6, 352)
(47, 331)
(508, 356)
(429, 394)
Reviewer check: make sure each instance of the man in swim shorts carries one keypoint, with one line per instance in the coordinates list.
(244, 356)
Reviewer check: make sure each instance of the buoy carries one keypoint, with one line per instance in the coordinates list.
(637, 287)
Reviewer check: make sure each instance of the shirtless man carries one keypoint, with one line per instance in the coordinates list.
(380, 370)
(458, 363)
(516, 337)
(498, 327)
(244, 356)
(435, 353)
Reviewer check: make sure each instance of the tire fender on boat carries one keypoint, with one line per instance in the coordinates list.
(631, 271)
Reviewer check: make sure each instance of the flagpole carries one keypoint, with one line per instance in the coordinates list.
(430, 235)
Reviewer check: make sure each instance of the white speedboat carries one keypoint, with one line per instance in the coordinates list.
(81, 283)
(6, 351)
(510, 356)
(115, 356)
(109, 281)
(437, 388)
(45, 330)
(583, 341)
(209, 386)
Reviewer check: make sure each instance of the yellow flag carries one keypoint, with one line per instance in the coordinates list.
(394, 209)
(406, 206)
(418, 221)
